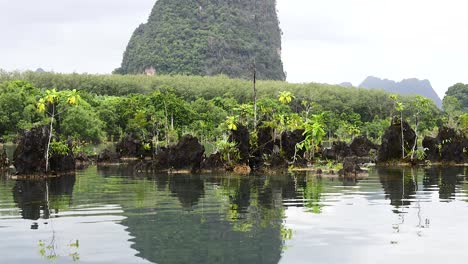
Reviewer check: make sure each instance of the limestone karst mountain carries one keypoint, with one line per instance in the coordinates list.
(207, 37)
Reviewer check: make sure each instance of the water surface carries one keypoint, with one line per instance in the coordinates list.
(116, 215)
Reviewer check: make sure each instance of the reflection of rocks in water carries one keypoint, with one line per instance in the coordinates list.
(445, 178)
(31, 196)
(82, 165)
(213, 232)
(161, 181)
(177, 237)
(132, 168)
(188, 188)
(398, 185)
(349, 181)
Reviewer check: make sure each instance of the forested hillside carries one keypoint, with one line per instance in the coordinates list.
(322, 96)
(207, 37)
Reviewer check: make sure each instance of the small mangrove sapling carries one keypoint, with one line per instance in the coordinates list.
(400, 107)
(422, 106)
(53, 104)
(314, 133)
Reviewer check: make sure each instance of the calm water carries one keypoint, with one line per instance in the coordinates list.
(113, 215)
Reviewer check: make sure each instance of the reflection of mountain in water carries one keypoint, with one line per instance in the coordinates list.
(41, 195)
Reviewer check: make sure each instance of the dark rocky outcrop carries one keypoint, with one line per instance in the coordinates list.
(338, 151)
(265, 147)
(329, 154)
(265, 140)
(449, 146)
(241, 137)
(29, 156)
(82, 157)
(341, 149)
(431, 148)
(214, 161)
(187, 154)
(453, 145)
(361, 146)
(391, 142)
(63, 163)
(108, 156)
(289, 140)
(350, 167)
(132, 146)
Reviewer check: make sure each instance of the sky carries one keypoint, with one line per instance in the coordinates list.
(330, 41)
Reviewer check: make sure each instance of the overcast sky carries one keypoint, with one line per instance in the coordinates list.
(330, 41)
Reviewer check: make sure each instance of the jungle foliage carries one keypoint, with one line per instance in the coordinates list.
(164, 108)
(460, 92)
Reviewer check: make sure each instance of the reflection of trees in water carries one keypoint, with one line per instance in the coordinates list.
(275, 189)
(399, 185)
(50, 250)
(445, 178)
(162, 181)
(34, 196)
(313, 194)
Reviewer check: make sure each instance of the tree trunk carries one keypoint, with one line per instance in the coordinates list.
(255, 95)
(166, 124)
(402, 137)
(415, 140)
(50, 138)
